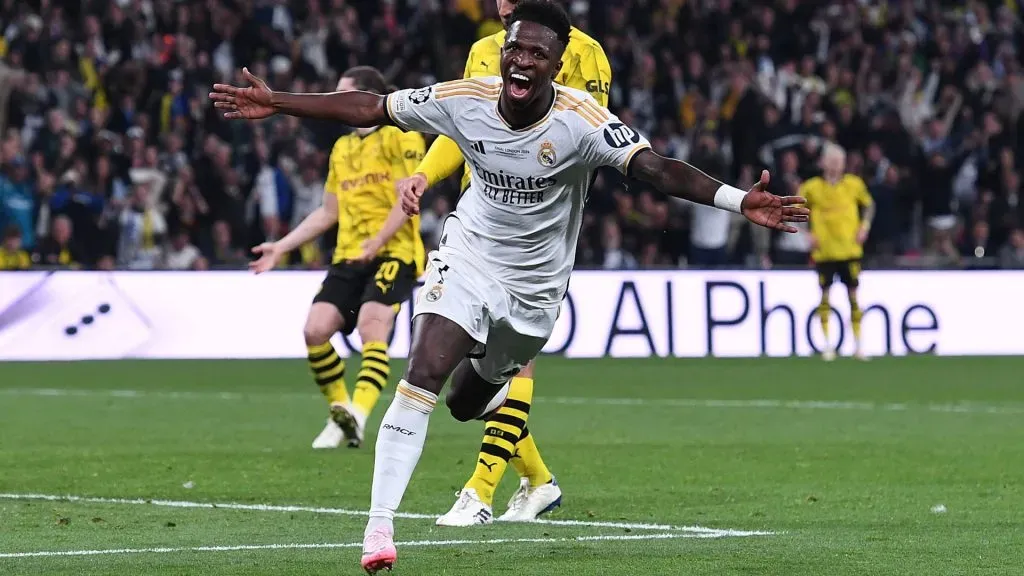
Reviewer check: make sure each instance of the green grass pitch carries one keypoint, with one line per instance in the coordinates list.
(897, 466)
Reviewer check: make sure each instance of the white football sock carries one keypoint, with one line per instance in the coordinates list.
(399, 445)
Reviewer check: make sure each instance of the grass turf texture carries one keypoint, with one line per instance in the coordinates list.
(847, 485)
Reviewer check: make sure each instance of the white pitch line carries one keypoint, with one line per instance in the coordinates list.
(346, 512)
(422, 543)
(764, 404)
(960, 408)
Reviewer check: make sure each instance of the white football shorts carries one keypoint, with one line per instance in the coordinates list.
(510, 333)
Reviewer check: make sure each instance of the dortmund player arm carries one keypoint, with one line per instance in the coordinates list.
(442, 160)
(311, 227)
(807, 190)
(867, 215)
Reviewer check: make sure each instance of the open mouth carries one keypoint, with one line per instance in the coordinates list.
(519, 85)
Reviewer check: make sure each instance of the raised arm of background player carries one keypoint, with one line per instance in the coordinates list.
(444, 157)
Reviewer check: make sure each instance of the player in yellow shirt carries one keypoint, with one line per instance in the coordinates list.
(841, 214)
(378, 258)
(506, 437)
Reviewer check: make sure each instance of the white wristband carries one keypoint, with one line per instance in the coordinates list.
(729, 198)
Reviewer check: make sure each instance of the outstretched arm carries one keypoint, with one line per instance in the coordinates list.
(682, 180)
(674, 178)
(355, 108)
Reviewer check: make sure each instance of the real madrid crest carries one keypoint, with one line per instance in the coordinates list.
(546, 156)
(434, 294)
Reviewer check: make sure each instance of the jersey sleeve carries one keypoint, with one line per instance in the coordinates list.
(612, 143)
(806, 191)
(809, 190)
(419, 110)
(597, 72)
(861, 192)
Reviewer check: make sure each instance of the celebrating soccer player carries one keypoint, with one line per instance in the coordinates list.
(506, 437)
(378, 257)
(496, 283)
(843, 211)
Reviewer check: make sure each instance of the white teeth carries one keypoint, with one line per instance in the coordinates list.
(520, 77)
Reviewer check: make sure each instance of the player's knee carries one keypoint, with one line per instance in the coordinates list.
(374, 323)
(317, 332)
(428, 373)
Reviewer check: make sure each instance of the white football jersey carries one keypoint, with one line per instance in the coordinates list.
(521, 216)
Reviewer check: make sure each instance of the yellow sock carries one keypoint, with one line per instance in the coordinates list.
(528, 463)
(500, 437)
(373, 376)
(856, 314)
(329, 371)
(823, 313)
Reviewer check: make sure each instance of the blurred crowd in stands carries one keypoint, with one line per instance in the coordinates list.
(111, 156)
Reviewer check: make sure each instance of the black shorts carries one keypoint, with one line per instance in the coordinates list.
(847, 270)
(349, 284)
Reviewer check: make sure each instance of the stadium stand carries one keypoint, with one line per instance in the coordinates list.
(112, 156)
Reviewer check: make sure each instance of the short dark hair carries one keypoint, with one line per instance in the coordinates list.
(546, 13)
(367, 79)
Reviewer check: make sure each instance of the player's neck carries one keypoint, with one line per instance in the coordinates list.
(833, 179)
(519, 118)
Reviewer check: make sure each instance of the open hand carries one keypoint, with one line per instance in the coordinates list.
(252, 103)
(269, 255)
(766, 209)
(410, 190)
